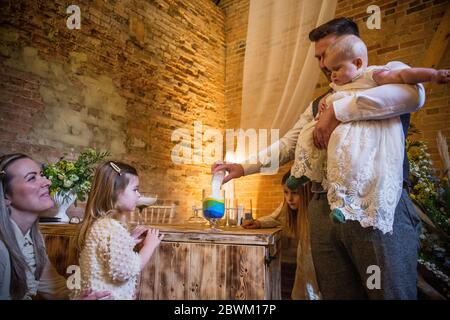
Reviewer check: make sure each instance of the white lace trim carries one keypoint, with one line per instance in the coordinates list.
(362, 169)
(309, 161)
(365, 171)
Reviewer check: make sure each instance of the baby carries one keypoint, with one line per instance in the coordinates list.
(362, 168)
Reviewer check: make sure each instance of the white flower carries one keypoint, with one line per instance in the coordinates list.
(67, 183)
(74, 177)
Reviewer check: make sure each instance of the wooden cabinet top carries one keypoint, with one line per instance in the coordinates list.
(191, 233)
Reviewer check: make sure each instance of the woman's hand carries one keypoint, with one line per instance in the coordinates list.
(322, 106)
(88, 294)
(137, 233)
(251, 224)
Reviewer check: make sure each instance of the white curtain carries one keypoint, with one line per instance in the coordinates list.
(280, 71)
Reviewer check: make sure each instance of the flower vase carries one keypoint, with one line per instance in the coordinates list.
(63, 201)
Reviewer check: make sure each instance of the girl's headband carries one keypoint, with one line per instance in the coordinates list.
(115, 167)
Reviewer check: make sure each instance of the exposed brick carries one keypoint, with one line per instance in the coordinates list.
(389, 5)
(415, 3)
(388, 49)
(436, 2)
(411, 43)
(405, 37)
(173, 62)
(129, 43)
(390, 11)
(415, 9)
(364, 4)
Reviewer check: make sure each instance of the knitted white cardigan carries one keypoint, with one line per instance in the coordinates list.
(108, 261)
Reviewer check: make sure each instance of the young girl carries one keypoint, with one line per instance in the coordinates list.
(292, 216)
(108, 260)
(363, 167)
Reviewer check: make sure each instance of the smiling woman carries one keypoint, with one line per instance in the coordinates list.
(24, 195)
(25, 270)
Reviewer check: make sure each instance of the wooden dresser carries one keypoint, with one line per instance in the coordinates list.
(193, 263)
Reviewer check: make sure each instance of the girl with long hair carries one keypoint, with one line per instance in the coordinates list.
(292, 216)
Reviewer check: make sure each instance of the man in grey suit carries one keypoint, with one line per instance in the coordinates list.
(353, 262)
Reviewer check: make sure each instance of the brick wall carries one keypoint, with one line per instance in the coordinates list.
(138, 70)
(265, 191)
(133, 73)
(406, 31)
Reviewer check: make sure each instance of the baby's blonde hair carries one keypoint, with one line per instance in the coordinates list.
(347, 47)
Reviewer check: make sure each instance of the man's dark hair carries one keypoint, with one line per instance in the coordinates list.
(337, 26)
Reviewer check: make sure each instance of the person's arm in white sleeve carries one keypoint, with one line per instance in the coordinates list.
(381, 102)
(120, 262)
(286, 146)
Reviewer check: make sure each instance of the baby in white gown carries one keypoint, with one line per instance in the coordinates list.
(362, 167)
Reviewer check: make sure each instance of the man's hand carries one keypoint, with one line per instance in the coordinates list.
(325, 126)
(322, 105)
(234, 170)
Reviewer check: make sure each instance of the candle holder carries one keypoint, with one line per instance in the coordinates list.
(213, 209)
(195, 218)
(144, 201)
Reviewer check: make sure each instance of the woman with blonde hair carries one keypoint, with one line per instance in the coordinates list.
(293, 217)
(25, 269)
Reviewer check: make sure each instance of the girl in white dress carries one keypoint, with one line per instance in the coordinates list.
(108, 260)
(362, 168)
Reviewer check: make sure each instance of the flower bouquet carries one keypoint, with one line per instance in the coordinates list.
(71, 179)
(431, 195)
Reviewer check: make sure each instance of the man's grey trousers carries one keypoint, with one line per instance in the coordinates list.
(353, 262)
